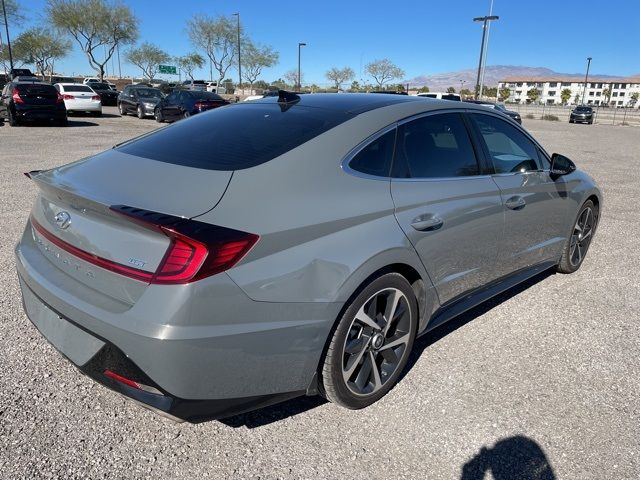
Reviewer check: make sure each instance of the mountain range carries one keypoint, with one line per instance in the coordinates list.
(493, 74)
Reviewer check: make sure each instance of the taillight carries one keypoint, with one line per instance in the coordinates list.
(196, 250)
(95, 97)
(68, 97)
(59, 99)
(15, 94)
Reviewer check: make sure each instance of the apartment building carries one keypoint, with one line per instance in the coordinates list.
(623, 92)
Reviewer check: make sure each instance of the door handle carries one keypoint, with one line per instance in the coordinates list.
(427, 223)
(515, 203)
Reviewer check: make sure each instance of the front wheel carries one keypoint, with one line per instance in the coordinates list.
(121, 109)
(158, 115)
(578, 242)
(371, 343)
(140, 112)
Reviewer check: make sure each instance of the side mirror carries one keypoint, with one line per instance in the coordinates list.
(561, 165)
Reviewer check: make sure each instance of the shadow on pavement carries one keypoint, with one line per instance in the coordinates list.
(512, 458)
(274, 413)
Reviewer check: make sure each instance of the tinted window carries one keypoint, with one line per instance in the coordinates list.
(434, 146)
(36, 89)
(261, 132)
(76, 88)
(375, 158)
(100, 86)
(510, 149)
(205, 96)
(583, 109)
(148, 92)
(450, 97)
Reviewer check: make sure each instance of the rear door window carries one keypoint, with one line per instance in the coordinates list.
(235, 137)
(435, 146)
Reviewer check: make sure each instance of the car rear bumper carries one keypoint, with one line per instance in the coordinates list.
(244, 355)
(84, 106)
(41, 114)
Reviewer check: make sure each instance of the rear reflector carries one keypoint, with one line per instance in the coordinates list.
(196, 250)
(131, 383)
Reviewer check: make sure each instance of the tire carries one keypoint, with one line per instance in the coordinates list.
(352, 382)
(577, 245)
(570, 121)
(140, 112)
(122, 110)
(13, 121)
(157, 114)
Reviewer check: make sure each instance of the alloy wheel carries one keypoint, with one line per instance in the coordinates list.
(581, 236)
(376, 341)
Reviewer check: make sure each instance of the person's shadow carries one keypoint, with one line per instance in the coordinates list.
(512, 458)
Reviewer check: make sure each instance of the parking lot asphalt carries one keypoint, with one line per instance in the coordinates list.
(544, 380)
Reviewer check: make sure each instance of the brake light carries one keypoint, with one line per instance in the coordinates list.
(96, 97)
(66, 96)
(15, 94)
(196, 250)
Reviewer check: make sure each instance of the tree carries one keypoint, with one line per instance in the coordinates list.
(634, 98)
(355, 87)
(189, 62)
(340, 75)
(451, 90)
(424, 89)
(576, 99)
(217, 37)
(383, 71)
(466, 92)
(504, 93)
(565, 95)
(14, 14)
(254, 59)
(98, 26)
(490, 91)
(607, 94)
(292, 78)
(39, 46)
(533, 94)
(147, 57)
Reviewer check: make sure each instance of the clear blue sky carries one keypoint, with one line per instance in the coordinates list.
(422, 37)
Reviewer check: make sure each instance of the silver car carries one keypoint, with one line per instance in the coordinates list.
(293, 245)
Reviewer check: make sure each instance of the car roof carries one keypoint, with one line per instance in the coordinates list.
(347, 102)
(65, 84)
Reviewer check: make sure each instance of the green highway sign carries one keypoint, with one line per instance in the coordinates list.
(167, 69)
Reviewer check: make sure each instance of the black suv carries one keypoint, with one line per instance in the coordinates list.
(108, 96)
(582, 114)
(139, 99)
(31, 101)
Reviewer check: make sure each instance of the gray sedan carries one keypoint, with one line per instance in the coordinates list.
(293, 245)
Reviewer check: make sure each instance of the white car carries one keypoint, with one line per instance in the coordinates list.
(80, 98)
(441, 96)
(90, 79)
(213, 87)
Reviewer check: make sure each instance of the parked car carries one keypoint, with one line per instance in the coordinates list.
(214, 87)
(20, 72)
(581, 114)
(80, 98)
(199, 85)
(441, 96)
(26, 101)
(183, 104)
(139, 99)
(265, 94)
(108, 96)
(91, 80)
(499, 107)
(292, 245)
(55, 80)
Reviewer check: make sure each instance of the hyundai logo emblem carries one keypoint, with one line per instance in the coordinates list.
(62, 219)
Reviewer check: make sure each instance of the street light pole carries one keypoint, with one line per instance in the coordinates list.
(300, 45)
(485, 21)
(586, 77)
(6, 27)
(239, 62)
(462, 82)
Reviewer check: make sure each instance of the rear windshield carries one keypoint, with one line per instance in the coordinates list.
(100, 86)
(450, 97)
(36, 89)
(76, 88)
(235, 137)
(205, 96)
